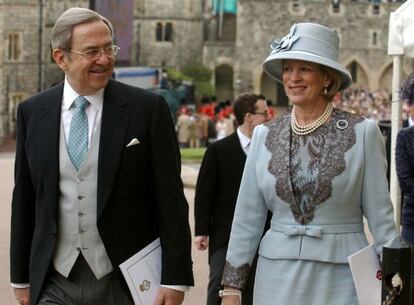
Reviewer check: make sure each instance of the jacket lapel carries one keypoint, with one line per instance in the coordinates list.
(278, 143)
(235, 149)
(113, 128)
(49, 131)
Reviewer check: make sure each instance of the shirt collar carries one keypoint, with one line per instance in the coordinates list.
(69, 95)
(244, 140)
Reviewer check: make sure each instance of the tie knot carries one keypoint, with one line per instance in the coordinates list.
(81, 102)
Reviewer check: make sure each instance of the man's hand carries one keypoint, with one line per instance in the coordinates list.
(167, 296)
(22, 295)
(201, 242)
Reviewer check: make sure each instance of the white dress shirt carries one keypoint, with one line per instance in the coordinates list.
(93, 111)
(244, 141)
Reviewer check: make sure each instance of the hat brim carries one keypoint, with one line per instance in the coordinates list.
(273, 65)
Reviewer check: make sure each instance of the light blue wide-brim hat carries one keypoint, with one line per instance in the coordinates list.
(309, 42)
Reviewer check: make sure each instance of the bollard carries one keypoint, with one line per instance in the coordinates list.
(396, 273)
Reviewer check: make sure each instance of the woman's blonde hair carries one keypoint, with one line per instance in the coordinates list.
(335, 84)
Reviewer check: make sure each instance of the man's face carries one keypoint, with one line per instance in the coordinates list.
(84, 75)
(261, 114)
(411, 111)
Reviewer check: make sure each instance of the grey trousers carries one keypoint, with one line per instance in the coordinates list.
(82, 288)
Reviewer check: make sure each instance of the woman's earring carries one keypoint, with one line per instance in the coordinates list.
(326, 90)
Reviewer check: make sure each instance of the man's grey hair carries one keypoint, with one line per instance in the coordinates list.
(61, 37)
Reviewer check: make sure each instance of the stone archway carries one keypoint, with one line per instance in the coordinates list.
(385, 80)
(224, 82)
(273, 91)
(268, 87)
(359, 76)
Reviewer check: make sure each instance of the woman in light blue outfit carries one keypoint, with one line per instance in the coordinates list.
(319, 170)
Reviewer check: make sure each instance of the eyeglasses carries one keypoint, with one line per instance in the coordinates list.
(94, 54)
(265, 113)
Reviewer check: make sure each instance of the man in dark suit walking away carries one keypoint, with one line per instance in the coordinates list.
(217, 188)
(97, 178)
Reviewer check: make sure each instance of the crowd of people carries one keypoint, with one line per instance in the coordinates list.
(374, 105)
(199, 127)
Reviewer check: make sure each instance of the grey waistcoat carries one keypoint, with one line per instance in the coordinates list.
(77, 230)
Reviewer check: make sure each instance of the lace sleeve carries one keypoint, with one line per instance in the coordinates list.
(235, 276)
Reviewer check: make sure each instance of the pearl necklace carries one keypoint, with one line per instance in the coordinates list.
(311, 127)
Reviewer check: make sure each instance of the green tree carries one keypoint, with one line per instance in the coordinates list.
(199, 75)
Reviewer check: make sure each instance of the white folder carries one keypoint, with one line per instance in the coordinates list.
(142, 273)
(366, 271)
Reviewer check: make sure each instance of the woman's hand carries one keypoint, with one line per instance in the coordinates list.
(229, 296)
(230, 300)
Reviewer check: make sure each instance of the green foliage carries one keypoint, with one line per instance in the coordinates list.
(198, 73)
(192, 154)
(204, 89)
(176, 77)
(200, 76)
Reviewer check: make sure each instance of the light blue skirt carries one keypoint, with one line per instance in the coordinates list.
(301, 282)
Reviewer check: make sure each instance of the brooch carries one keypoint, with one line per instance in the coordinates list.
(342, 124)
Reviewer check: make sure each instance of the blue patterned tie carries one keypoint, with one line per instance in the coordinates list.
(78, 133)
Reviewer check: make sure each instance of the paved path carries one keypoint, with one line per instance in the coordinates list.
(6, 184)
(196, 295)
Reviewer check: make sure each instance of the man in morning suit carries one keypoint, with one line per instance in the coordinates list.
(97, 178)
(217, 188)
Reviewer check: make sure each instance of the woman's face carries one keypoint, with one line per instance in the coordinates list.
(304, 82)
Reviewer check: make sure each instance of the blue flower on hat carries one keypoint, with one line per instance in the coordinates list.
(285, 43)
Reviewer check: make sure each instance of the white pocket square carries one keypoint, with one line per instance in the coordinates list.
(134, 141)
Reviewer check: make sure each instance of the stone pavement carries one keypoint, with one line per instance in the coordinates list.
(189, 174)
(6, 184)
(196, 295)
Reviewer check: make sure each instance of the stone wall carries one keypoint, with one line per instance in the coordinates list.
(19, 71)
(19, 77)
(187, 38)
(259, 22)
(2, 84)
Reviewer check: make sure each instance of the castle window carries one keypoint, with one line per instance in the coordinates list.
(14, 46)
(168, 31)
(14, 100)
(164, 31)
(375, 6)
(374, 38)
(296, 5)
(158, 31)
(190, 5)
(336, 8)
(140, 6)
(353, 69)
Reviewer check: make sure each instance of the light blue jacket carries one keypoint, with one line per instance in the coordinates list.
(351, 184)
